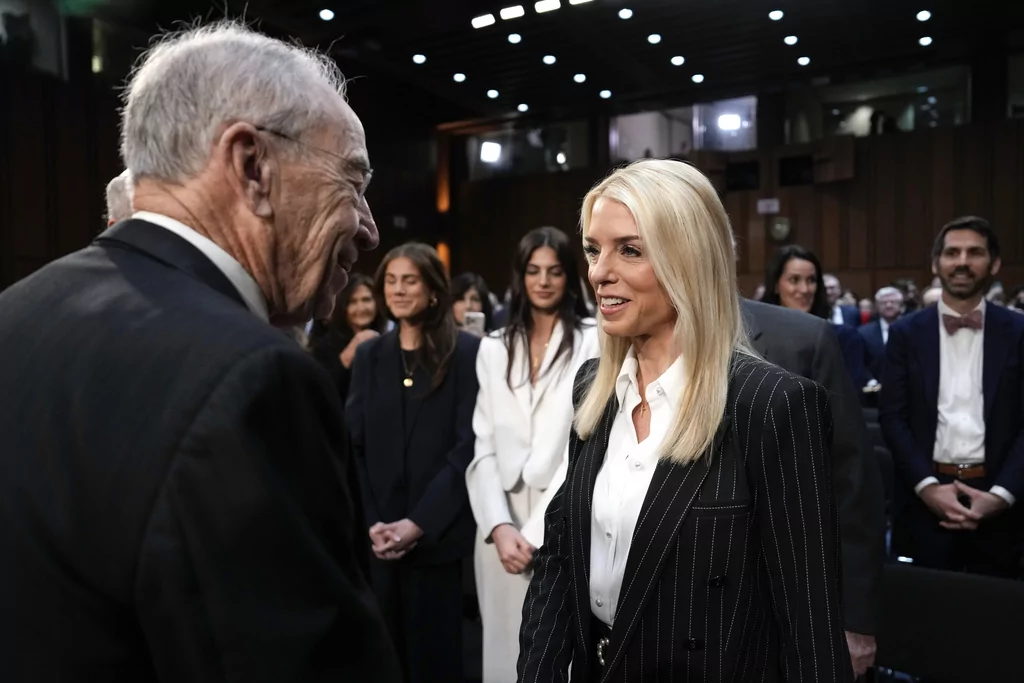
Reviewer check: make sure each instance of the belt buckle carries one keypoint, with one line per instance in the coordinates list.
(602, 643)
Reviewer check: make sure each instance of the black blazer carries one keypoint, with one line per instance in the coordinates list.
(414, 465)
(909, 403)
(733, 570)
(872, 336)
(806, 345)
(172, 505)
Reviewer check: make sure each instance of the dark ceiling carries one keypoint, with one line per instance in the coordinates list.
(733, 43)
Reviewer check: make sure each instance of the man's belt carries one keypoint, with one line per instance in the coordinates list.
(961, 471)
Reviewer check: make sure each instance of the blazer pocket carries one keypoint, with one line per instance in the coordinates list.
(721, 508)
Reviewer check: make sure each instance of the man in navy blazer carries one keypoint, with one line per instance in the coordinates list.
(889, 304)
(952, 412)
(841, 315)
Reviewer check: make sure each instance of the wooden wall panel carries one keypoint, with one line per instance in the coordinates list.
(31, 106)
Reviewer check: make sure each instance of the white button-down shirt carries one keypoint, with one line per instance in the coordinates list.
(960, 432)
(885, 330)
(238, 276)
(625, 476)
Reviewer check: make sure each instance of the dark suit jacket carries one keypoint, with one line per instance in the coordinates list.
(732, 573)
(171, 500)
(908, 408)
(806, 345)
(855, 355)
(872, 336)
(414, 465)
(851, 316)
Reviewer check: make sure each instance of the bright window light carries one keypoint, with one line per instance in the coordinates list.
(697, 78)
(678, 60)
(546, 6)
(419, 59)
(514, 38)
(459, 78)
(729, 122)
(776, 14)
(803, 61)
(605, 94)
(790, 40)
(580, 78)
(493, 94)
(326, 14)
(523, 108)
(924, 15)
(654, 39)
(560, 157)
(625, 13)
(549, 59)
(490, 152)
(483, 20)
(512, 12)
(925, 41)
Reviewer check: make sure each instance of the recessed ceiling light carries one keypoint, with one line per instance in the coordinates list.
(483, 20)
(560, 158)
(493, 94)
(580, 78)
(578, 2)
(523, 108)
(512, 12)
(326, 14)
(697, 78)
(514, 38)
(803, 61)
(490, 152)
(546, 6)
(419, 59)
(922, 89)
(459, 78)
(790, 40)
(678, 60)
(549, 59)
(625, 13)
(605, 94)
(776, 14)
(932, 99)
(924, 15)
(925, 41)
(654, 39)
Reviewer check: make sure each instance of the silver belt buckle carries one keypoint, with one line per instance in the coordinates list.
(601, 645)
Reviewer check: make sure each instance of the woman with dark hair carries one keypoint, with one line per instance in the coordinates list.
(410, 417)
(794, 280)
(522, 419)
(470, 294)
(357, 317)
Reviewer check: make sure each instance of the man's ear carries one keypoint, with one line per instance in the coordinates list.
(996, 265)
(251, 169)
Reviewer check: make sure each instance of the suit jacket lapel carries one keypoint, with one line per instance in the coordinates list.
(171, 250)
(547, 373)
(754, 334)
(928, 322)
(669, 498)
(995, 347)
(521, 388)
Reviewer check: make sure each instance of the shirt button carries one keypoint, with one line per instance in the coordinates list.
(637, 464)
(599, 602)
(608, 534)
(661, 392)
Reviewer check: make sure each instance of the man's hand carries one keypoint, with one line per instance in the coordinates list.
(514, 551)
(393, 541)
(942, 500)
(348, 354)
(983, 503)
(862, 652)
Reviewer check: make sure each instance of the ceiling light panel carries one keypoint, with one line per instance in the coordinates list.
(515, 38)
(512, 12)
(483, 20)
(776, 15)
(605, 94)
(790, 40)
(326, 14)
(654, 39)
(924, 15)
(546, 6)
(549, 59)
(625, 13)
(678, 60)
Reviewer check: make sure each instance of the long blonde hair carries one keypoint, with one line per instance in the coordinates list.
(688, 241)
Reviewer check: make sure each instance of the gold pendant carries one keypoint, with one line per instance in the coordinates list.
(407, 381)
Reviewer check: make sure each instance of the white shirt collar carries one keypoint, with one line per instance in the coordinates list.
(946, 310)
(669, 385)
(225, 262)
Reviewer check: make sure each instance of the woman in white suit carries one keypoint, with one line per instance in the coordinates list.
(522, 420)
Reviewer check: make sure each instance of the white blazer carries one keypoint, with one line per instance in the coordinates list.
(521, 433)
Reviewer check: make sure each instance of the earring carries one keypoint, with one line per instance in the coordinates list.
(433, 301)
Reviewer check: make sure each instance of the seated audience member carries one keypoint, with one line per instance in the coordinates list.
(470, 294)
(889, 304)
(911, 295)
(173, 505)
(952, 413)
(1016, 298)
(867, 310)
(840, 310)
(119, 198)
(357, 317)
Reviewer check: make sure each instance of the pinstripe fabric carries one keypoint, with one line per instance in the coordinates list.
(733, 568)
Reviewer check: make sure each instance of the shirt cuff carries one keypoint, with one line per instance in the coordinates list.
(924, 482)
(1004, 494)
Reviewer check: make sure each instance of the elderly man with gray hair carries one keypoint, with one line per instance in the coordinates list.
(175, 498)
(889, 306)
(119, 198)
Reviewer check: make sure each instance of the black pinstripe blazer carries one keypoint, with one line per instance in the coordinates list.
(733, 570)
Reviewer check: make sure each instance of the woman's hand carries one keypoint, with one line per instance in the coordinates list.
(348, 354)
(514, 550)
(393, 541)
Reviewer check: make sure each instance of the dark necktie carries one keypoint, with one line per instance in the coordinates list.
(972, 321)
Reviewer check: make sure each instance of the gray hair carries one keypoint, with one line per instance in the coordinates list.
(887, 291)
(191, 83)
(120, 192)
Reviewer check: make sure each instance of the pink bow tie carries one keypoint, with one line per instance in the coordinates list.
(972, 321)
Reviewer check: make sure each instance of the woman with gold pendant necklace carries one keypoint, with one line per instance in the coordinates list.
(522, 419)
(409, 414)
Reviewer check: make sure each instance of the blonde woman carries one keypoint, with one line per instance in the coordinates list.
(694, 537)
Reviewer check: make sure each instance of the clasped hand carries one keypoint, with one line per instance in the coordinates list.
(393, 541)
(943, 499)
(514, 551)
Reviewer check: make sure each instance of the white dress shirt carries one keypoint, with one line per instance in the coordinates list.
(960, 432)
(624, 478)
(238, 276)
(837, 315)
(884, 325)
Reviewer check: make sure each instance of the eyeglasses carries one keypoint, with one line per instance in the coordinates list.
(364, 171)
